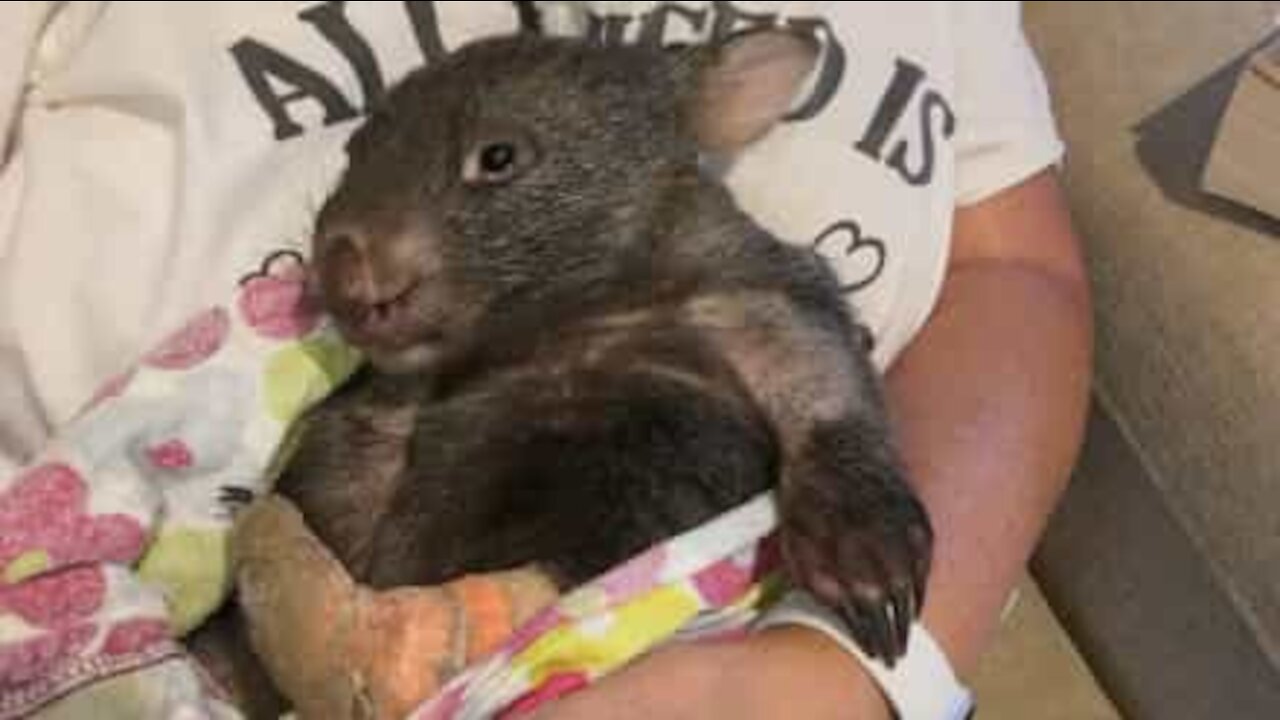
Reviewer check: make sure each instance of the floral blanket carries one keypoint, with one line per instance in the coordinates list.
(113, 544)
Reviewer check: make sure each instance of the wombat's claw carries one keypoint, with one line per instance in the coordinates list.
(882, 631)
(869, 565)
(234, 499)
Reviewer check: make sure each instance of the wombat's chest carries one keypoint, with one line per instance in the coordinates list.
(565, 458)
(672, 338)
(350, 463)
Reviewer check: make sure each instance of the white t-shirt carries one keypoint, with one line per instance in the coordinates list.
(161, 150)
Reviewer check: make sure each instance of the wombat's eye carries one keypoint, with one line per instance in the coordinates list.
(498, 158)
(492, 163)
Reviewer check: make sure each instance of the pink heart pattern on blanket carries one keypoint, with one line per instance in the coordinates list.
(47, 525)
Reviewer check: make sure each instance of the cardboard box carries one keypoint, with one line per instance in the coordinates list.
(1244, 166)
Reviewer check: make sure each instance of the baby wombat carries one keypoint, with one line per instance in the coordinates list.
(581, 346)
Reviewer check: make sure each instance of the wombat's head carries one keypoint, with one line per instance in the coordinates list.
(524, 169)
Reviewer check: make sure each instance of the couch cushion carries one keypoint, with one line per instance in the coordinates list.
(1149, 612)
(1033, 671)
(1187, 292)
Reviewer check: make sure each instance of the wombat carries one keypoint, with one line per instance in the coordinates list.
(580, 346)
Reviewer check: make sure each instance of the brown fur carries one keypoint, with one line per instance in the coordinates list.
(597, 349)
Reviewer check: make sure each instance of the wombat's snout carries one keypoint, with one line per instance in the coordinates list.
(367, 286)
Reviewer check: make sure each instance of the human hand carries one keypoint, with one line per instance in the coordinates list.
(785, 672)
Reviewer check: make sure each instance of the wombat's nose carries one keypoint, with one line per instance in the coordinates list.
(341, 243)
(346, 272)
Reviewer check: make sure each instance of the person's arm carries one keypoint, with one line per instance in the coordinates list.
(989, 404)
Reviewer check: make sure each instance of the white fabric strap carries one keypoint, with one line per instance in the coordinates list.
(920, 686)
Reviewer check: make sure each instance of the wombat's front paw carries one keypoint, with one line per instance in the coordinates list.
(234, 500)
(864, 554)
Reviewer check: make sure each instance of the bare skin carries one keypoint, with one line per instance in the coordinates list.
(989, 456)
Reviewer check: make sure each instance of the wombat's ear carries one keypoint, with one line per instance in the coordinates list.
(738, 89)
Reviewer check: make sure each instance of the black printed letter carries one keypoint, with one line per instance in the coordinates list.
(426, 27)
(607, 30)
(729, 20)
(906, 78)
(261, 64)
(653, 26)
(932, 106)
(830, 76)
(331, 20)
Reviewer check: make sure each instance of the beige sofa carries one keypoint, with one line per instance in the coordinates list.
(1164, 561)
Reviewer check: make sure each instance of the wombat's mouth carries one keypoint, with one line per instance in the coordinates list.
(390, 323)
(405, 360)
